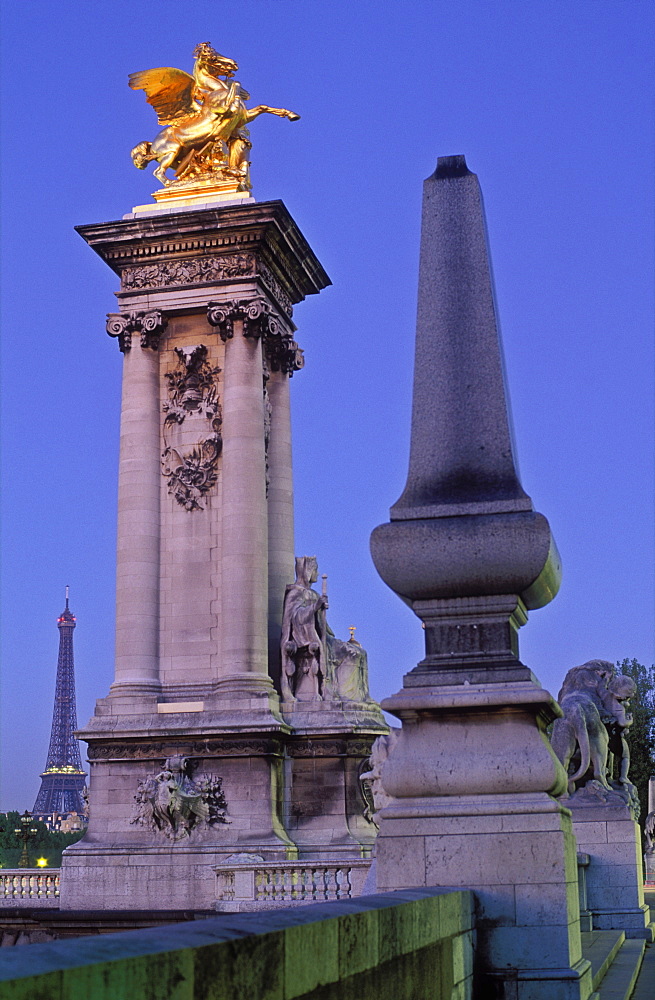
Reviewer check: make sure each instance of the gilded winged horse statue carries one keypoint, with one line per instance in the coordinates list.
(205, 136)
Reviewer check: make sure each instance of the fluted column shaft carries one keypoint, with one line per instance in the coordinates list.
(137, 571)
(280, 512)
(245, 528)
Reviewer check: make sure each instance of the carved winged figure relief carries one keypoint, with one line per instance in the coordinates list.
(205, 136)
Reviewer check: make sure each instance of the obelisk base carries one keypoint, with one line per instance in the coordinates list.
(471, 774)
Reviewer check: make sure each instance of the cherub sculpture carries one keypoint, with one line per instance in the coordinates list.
(205, 136)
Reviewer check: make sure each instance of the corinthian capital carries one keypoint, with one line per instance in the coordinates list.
(153, 325)
(150, 325)
(284, 354)
(257, 314)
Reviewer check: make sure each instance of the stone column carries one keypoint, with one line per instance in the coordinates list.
(280, 510)
(138, 544)
(244, 640)
(472, 775)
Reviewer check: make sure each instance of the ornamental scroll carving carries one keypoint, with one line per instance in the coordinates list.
(276, 288)
(191, 427)
(188, 271)
(259, 320)
(173, 803)
(150, 325)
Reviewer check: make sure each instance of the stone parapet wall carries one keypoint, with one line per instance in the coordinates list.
(416, 943)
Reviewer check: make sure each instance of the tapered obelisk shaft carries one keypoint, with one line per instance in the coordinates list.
(464, 546)
(461, 458)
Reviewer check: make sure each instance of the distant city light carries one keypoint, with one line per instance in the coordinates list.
(41, 862)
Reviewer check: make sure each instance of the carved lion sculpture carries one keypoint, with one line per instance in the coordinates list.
(592, 698)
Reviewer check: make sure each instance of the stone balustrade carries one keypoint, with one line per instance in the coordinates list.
(259, 885)
(36, 886)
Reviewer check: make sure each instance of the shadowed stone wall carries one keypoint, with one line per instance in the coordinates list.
(416, 943)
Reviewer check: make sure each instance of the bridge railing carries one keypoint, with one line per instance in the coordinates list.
(260, 885)
(29, 887)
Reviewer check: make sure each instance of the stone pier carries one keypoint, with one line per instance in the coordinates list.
(192, 758)
(472, 776)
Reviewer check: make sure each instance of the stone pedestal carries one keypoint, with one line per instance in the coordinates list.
(191, 759)
(472, 776)
(615, 883)
(327, 755)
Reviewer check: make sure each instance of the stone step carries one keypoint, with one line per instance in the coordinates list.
(619, 980)
(645, 988)
(601, 947)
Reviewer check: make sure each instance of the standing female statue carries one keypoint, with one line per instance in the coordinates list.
(304, 630)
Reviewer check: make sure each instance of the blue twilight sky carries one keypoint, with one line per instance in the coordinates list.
(552, 104)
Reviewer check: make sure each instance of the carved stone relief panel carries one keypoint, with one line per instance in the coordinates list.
(192, 439)
(173, 803)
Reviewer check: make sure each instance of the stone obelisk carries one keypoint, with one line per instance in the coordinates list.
(472, 775)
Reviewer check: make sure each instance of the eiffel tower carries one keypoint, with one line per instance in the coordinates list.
(62, 782)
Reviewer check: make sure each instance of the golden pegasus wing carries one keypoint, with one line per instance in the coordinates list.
(168, 90)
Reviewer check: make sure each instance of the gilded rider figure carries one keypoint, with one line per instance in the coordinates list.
(205, 136)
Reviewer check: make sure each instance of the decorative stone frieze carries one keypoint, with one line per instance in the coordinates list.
(150, 325)
(193, 407)
(174, 804)
(268, 278)
(315, 747)
(188, 271)
(122, 750)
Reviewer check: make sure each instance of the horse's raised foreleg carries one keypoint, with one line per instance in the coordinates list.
(166, 159)
(264, 109)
